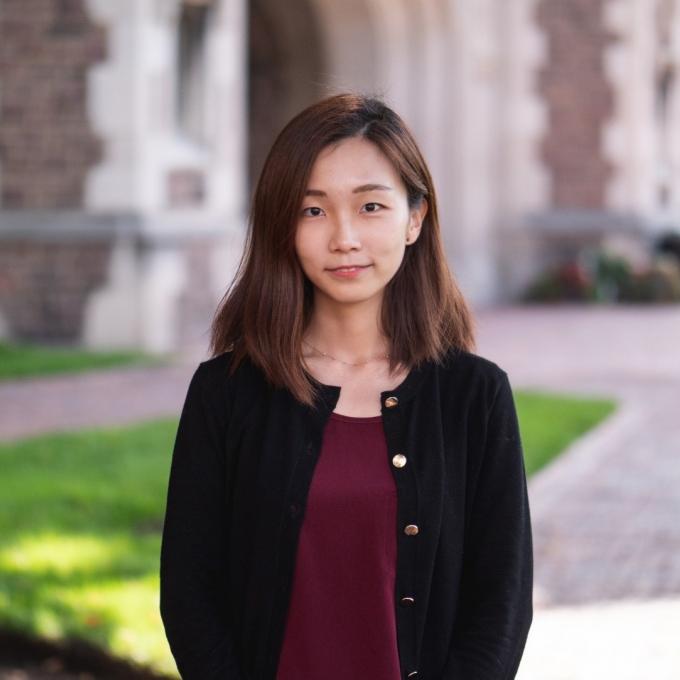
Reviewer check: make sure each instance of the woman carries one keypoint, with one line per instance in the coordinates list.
(347, 495)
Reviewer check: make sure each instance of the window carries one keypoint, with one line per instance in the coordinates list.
(193, 26)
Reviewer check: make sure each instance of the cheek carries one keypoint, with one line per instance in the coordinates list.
(389, 245)
(305, 248)
(301, 243)
(389, 253)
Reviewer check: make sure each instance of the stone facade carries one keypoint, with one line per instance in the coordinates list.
(47, 148)
(108, 188)
(47, 145)
(141, 126)
(579, 99)
(44, 287)
(611, 150)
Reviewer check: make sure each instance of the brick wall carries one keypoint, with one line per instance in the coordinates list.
(44, 287)
(579, 100)
(46, 143)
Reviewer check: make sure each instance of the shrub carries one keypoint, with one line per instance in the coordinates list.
(601, 276)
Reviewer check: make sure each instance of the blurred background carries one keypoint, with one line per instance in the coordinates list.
(131, 137)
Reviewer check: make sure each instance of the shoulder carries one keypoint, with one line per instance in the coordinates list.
(216, 368)
(218, 376)
(224, 376)
(471, 379)
(461, 363)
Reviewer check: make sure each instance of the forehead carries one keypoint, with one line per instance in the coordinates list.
(352, 161)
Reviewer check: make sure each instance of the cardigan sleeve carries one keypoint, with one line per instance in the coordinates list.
(496, 608)
(193, 589)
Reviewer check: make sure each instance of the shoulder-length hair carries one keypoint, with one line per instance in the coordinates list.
(268, 305)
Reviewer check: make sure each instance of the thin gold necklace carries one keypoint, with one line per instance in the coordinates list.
(361, 363)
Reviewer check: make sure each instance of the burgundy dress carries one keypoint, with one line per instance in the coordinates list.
(341, 621)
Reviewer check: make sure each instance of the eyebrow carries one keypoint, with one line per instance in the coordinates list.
(357, 190)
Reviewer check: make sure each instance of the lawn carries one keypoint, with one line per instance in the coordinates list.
(81, 515)
(27, 360)
(80, 521)
(549, 423)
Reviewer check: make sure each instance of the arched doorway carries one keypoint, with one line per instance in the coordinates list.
(286, 71)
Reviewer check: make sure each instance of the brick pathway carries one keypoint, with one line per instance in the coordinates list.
(606, 514)
(98, 398)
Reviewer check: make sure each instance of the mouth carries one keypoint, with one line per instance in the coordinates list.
(352, 268)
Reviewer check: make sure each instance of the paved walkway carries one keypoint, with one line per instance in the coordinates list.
(606, 514)
(115, 396)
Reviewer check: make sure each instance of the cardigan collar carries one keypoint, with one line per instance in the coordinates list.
(406, 390)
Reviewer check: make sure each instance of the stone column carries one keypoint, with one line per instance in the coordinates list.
(184, 189)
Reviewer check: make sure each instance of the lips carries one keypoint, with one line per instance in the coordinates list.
(349, 268)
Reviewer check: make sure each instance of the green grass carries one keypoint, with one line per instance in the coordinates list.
(80, 521)
(550, 422)
(81, 515)
(27, 360)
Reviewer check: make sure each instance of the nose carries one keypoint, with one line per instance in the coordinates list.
(344, 235)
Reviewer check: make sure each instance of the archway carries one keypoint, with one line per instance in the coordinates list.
(286, 71)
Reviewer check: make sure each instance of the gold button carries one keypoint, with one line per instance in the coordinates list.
(411, 529)
(391, 401)
(399, 460)
(407, 601)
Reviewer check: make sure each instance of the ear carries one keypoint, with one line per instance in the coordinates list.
(416, 221)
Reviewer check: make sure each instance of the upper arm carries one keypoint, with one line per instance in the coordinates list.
(194, 549)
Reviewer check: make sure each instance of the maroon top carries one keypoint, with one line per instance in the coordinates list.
(341, 620)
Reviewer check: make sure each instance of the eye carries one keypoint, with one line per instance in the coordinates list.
(376, 205)
(313, 207)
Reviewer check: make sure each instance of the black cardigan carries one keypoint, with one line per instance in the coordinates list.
(241, 469)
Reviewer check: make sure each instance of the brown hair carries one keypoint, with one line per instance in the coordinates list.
(268, 305)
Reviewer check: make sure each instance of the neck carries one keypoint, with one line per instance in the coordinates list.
(350, 333)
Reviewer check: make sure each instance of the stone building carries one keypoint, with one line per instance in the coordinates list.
(131, 133)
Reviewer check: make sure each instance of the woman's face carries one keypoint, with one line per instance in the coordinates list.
(355, 213)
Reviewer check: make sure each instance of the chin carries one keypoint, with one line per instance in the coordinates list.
(350, 297)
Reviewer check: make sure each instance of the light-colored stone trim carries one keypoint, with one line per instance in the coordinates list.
(132, 103)
(138, 306)
(628, 138)
(672, 145)
(114, 112)
(65, 225)
(525, 181)
(470, 206)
